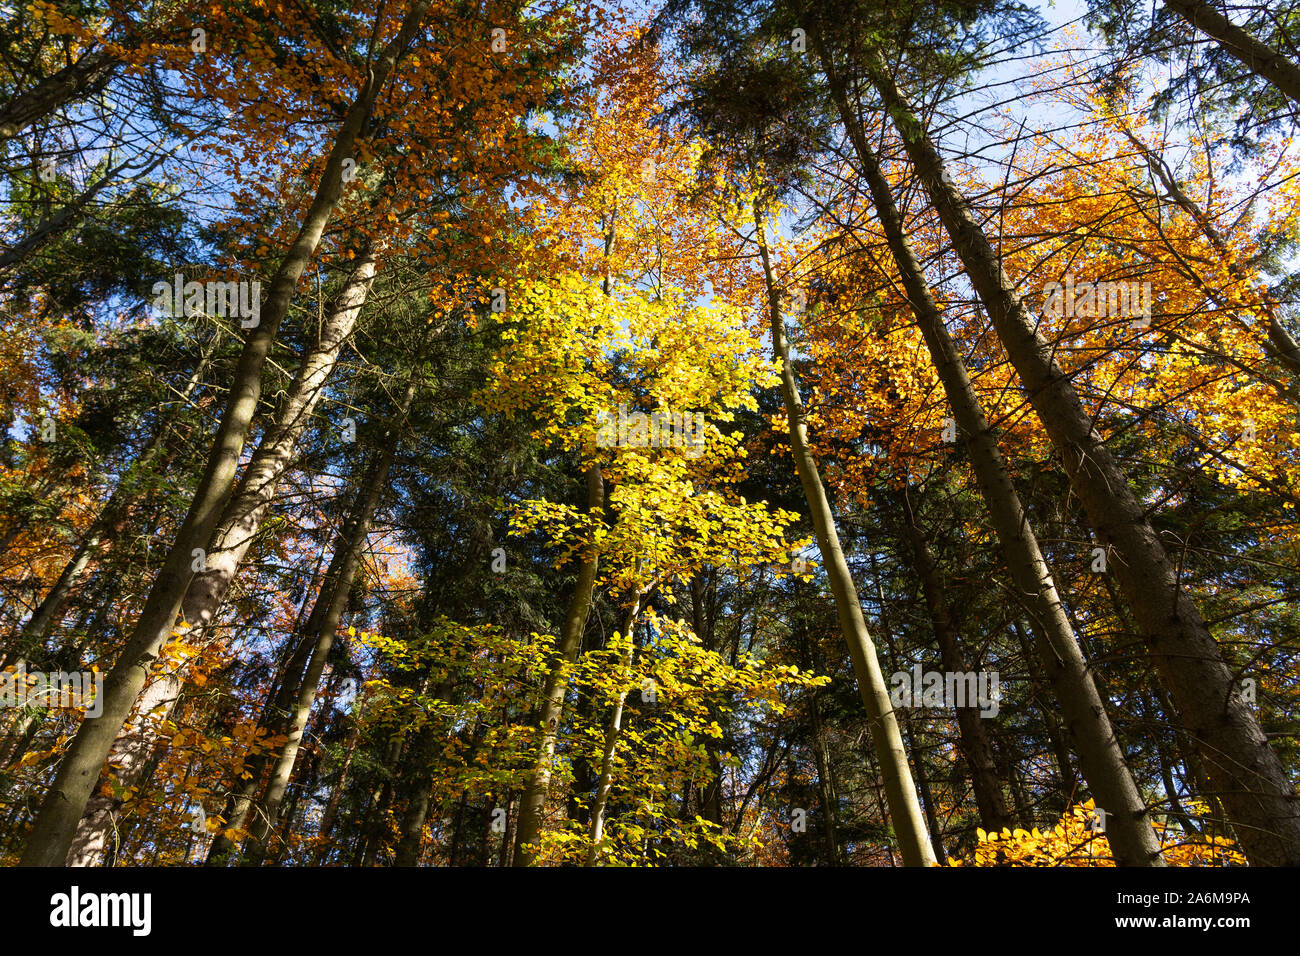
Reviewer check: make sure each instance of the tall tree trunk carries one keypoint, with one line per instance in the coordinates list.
(240, 521)
(584, 777)
(508, 834)
(374, 828)
(532, 804)
(826, 783)
(416, 786)
(905, 809)
(278, 709)
(323, 624)
(1243, 768)
(909, 731)
(975, 744)
(1068, 782)
(1257, 57)
(1128, 824)
(332, 807)
(56, 825)
(923, 788)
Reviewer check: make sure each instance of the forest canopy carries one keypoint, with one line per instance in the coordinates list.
(702, 433)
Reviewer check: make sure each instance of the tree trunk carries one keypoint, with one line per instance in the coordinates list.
(1258, 58)
(923, 788)
(66, 799)
(1068, 782)
(417, 785)
(275, 714)
(905, 809)
(241, 519)
(1243, 768)
(533, 802)
(596, 829)
(1128, 825)
(88, 75)
(332, 808)
(323, 624)
(975, 745)
(826, 784)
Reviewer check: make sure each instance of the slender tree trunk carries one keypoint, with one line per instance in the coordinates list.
(1009, 770)
(975, 744)
(1244, 769)
(596, 829)
(65, 802)
(905, 809)
(332, 807)
(241, 519)
(1068, 783)
(508, 835)
(826, 783)
(703, 625)
(275, 714)
(374, 827)
(458, 827)
(923, 788)
(532, 804)
(323, 624)
(584, 778)
(417, 785)
(909, 731)
(1166, 760)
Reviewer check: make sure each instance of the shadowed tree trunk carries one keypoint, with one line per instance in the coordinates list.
(1243, 768)
(318, 635)
(974, 742)
(65, 802)
(1128, 824)
(1257, 57)
(596, 829)
(240, 522)
(533, 802)
(86, 76)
